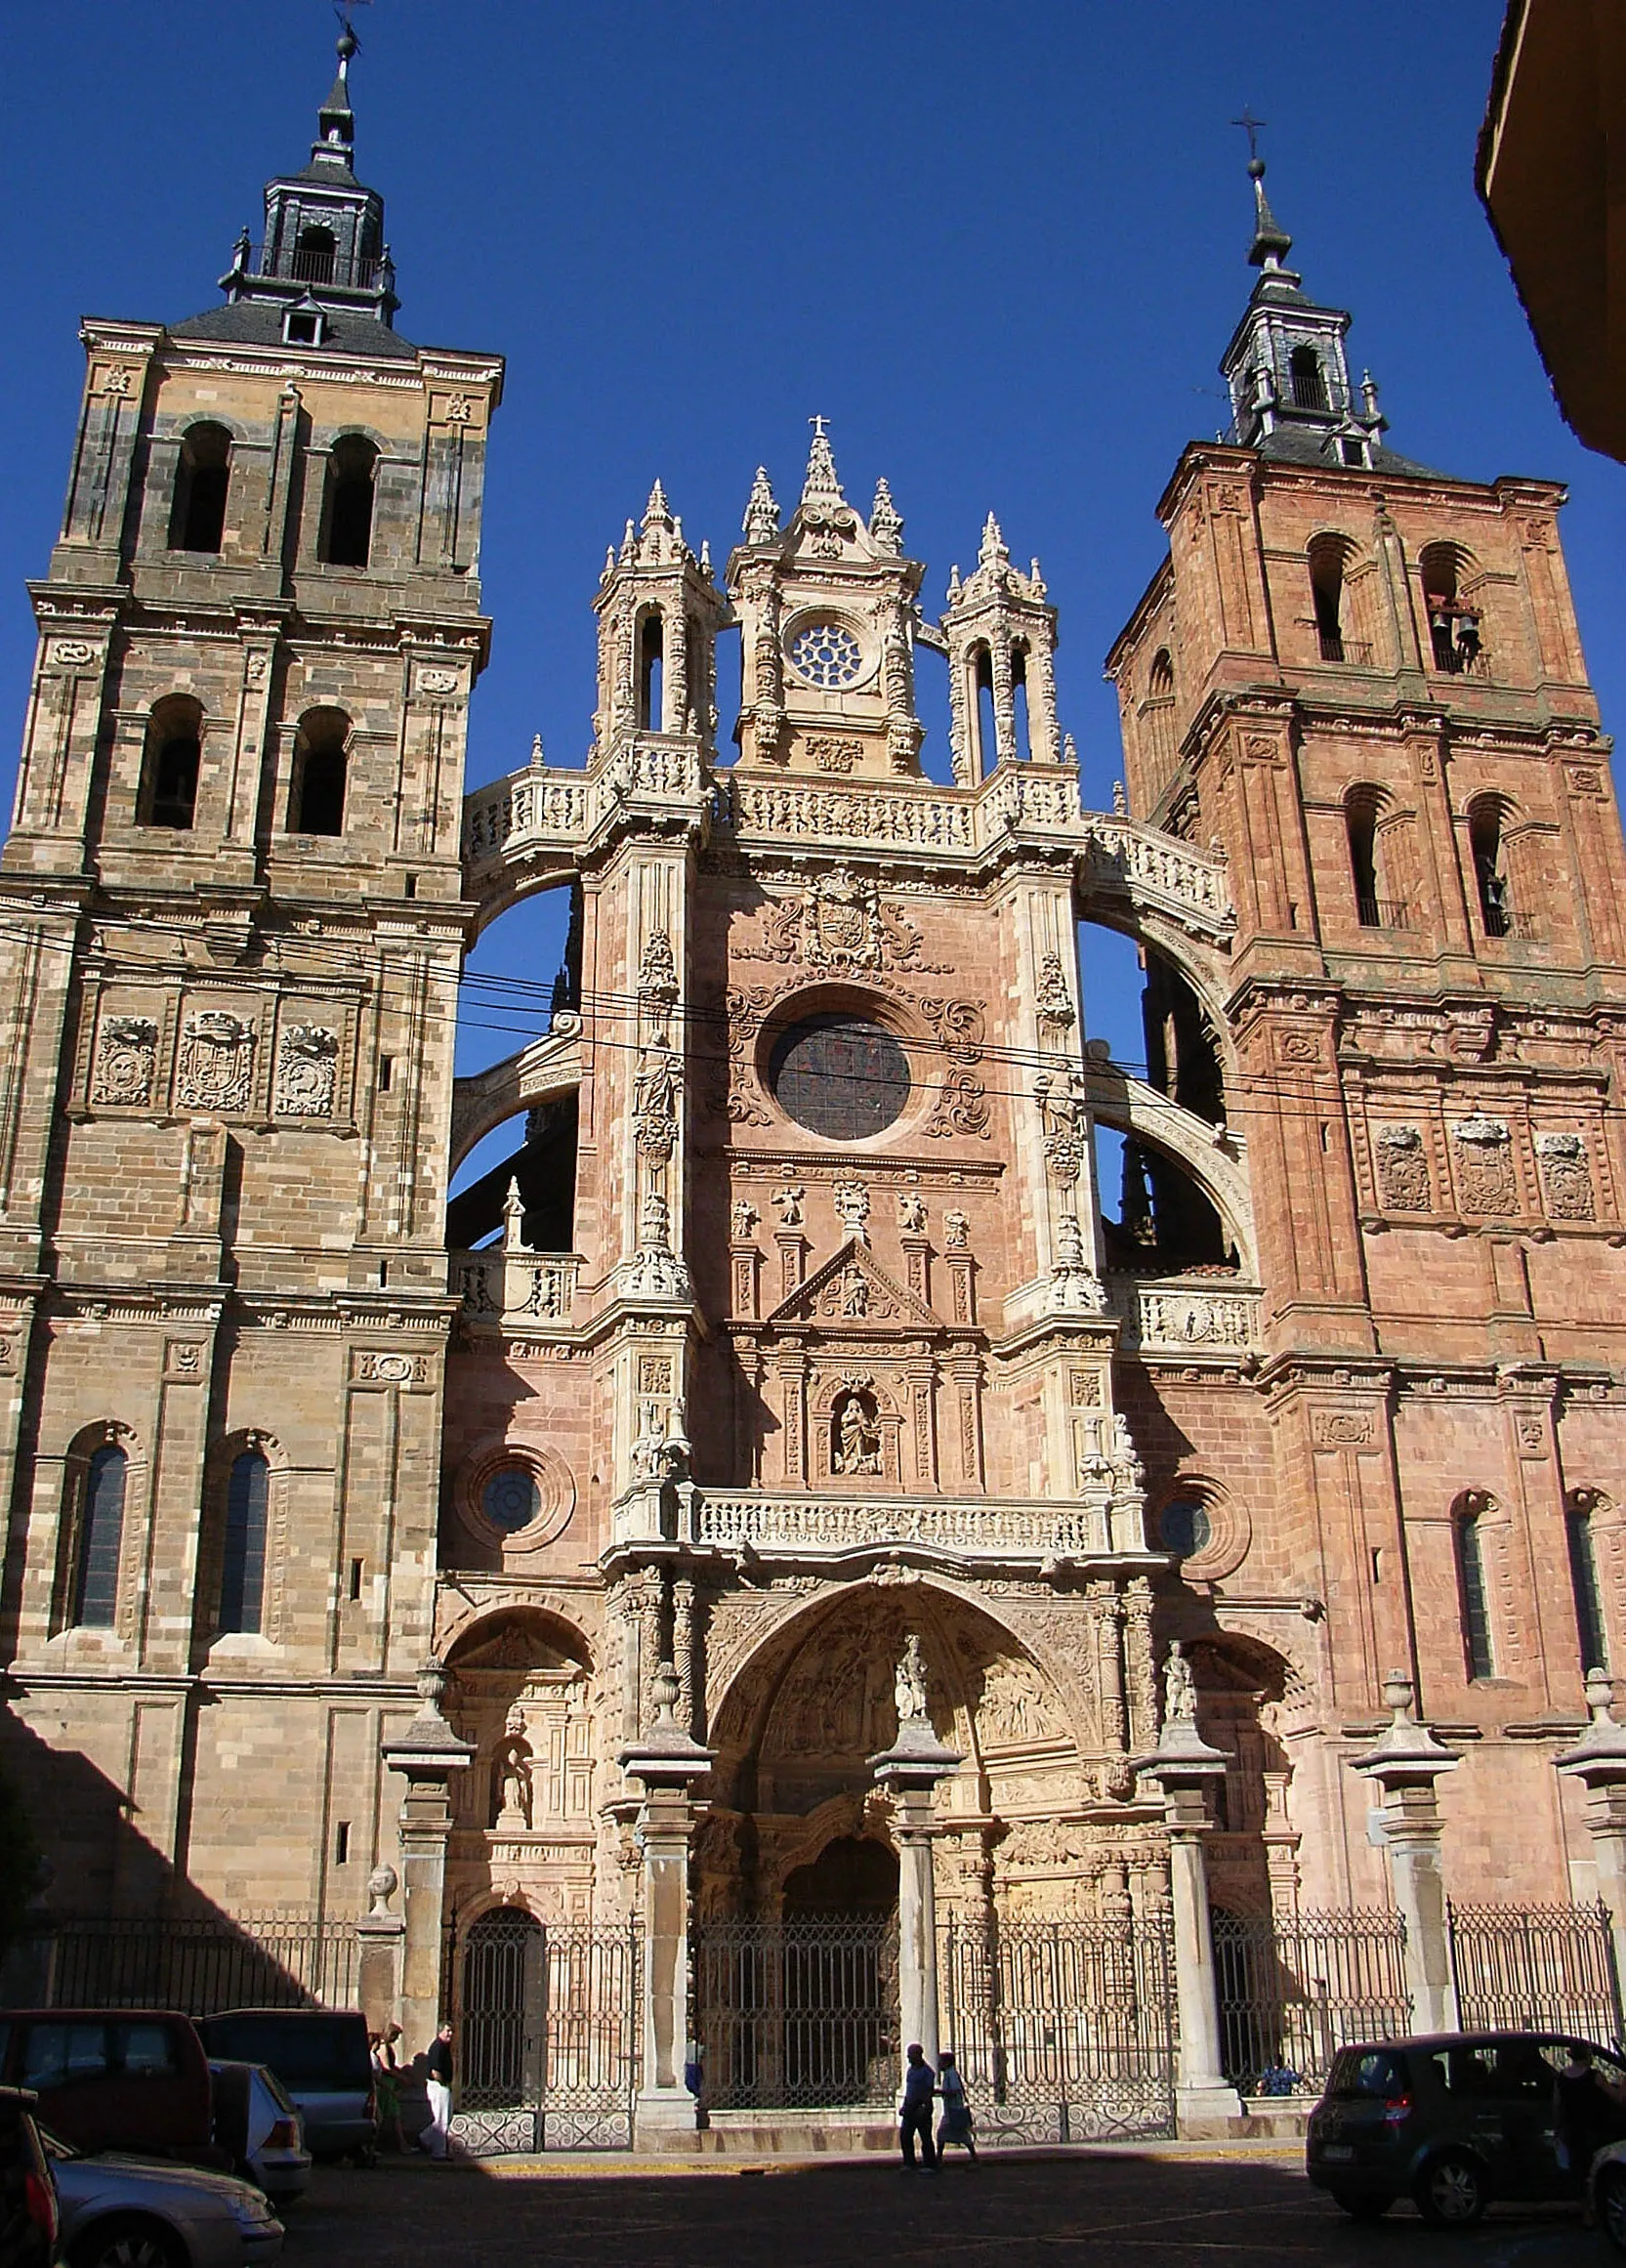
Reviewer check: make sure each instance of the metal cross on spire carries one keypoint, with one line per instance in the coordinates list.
(818, 424)
(1250, 126)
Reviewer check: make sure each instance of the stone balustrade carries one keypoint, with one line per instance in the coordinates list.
(803, 1526)
(1184, 1317)
(540, 816)
(522, 1288)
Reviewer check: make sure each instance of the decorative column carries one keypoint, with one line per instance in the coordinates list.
(665, 1764)
(1599, 1762)
(426, 1754)
(1186, 1767)
(909, 1771)
(1405, 1764)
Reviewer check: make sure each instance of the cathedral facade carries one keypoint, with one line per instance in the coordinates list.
(352, 1530)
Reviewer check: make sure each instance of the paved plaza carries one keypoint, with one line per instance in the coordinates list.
(1236, 2211)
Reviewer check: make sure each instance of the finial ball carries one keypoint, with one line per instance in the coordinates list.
(347, 44)
(1256, 169)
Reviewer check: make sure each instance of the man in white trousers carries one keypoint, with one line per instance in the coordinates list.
(438, 2075)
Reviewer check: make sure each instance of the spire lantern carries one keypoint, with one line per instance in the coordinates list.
(323, 255)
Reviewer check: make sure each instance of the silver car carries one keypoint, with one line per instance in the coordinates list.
(133, 2212)
(258, 2129)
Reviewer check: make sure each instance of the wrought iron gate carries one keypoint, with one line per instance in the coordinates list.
(1062, 2031)
(1293, 1989)
(799, 2013)
(1536, 1968)
(550, 2031)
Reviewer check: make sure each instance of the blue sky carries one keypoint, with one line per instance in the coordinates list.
(1000, 249)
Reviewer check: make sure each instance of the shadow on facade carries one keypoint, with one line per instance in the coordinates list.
(115, 1924)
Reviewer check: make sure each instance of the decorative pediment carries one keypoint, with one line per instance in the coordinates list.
(852, 1288)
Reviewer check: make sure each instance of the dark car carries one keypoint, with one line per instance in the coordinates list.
(29, 2223)
(1451, 2122)
(136, 2079)
(322, 2057)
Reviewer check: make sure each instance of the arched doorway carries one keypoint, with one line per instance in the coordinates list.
(503, 2013)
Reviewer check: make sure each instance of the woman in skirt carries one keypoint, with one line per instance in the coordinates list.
(956, 2124)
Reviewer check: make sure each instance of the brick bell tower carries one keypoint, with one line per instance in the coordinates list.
(1363, 681)
(231, 946)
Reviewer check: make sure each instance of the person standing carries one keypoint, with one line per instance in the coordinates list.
(387, 2084)
(956, 2124)
(915, 2111)
(437, 2076)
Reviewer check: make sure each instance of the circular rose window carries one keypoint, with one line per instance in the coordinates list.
(511, 1498)
(1185, 1528)
(826, 655)
(840, 1077)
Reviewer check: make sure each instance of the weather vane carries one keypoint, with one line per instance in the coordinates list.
(1250, 126)
(342, 8)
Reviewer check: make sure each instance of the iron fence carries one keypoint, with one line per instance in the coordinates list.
(1536, 1968)
(549, 2033)
(1293, 1989)
(200, 1964)
(797, 2013)
(1061, 2030)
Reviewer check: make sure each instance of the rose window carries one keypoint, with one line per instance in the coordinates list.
(839, 1075)
(511, 1498)
(826, 655)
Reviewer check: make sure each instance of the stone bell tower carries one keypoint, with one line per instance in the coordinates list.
(232, 933)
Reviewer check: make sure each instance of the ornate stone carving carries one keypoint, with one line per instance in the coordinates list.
(1064, 1118)
(215, 1067)
(961, 1108)
(744, 1217)
(1073, 1282)
(836, 752)
(855, 1438)
(1565, 1177)
(655, 1098)
(126, 1062)
(1342, 1428)
(956, 1230)
(513, 1775)
(788, 1203)
(958, 1026)
(909, 1685)
(1194, 1318)
(656, 1272)
(1487, 1182)
(840, 922)
(1179, 1689)
(911, 1212)
(852, 1203)
(307, 1070)
(1402, 1169)
(657, 971)
(1053, 1000)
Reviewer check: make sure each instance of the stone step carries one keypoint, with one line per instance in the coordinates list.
(790, 2133)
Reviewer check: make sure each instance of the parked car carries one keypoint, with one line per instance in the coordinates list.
(1608, 2187)
(258, 2129)
(322, 2059)
(28, 2214)
(120, 2211)
(137, 2079)
(1451, 2120)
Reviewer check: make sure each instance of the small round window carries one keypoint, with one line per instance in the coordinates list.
(511, 1498)
(827, 654)
(840, 1077)
(1184, 1526)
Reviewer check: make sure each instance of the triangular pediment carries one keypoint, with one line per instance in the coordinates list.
(852, 1288)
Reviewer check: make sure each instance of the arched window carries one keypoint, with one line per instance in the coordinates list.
(1583, 1579)
(1159, 716)
(314, 254)
(1361, 807)
(170, 760)
(101, 1540)
(348, 507)
(1454, 639)
(651, 690)
(1473, 1601)
(242, 1585)
(316, 804)
(1486, 816)
(1328, 559)
(1308, 379)
(981, 688)
(1018, 699)
(202, 474)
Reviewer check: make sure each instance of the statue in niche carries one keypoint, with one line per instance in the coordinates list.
(909, 1684)
(854, 1293)
(856, 1444)
(656, 1084)
(514, 1773)
(1180, 1688)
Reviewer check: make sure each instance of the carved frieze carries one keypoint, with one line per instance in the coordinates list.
(1402, 1167)
(1565, 1177)
(1487, 1182)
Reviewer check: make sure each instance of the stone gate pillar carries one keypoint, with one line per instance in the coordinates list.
(910, 1772)
(426, 1754)
(1184, 1768)
(1599, 1762)
(665, 1764)
(1405, 1765)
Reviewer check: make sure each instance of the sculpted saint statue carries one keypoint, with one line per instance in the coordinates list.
(909, 1685)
